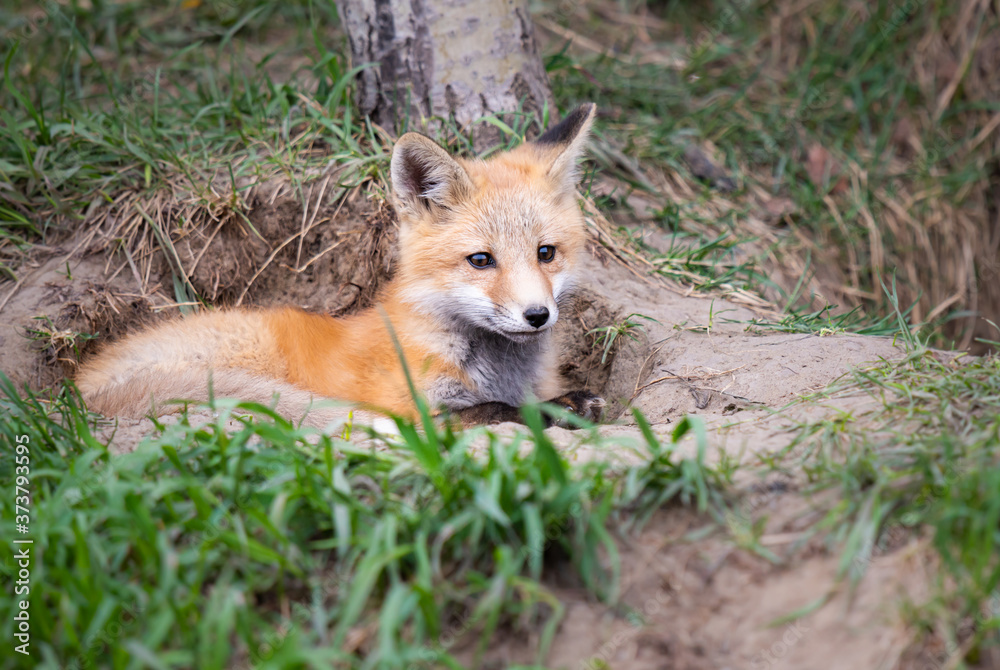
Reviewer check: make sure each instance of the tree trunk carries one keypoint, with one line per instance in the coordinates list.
(444, 58)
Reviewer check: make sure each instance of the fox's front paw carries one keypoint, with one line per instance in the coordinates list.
(582, 403)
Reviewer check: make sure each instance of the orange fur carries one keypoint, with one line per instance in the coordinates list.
(464, 331)
(352, 359)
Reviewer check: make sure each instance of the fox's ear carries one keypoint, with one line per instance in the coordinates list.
(423, 173)
(564, 143)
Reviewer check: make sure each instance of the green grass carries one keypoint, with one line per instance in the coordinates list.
(827, 321)
(208, 542)
(846, 81)
(925, 460)
(607, 337)
(105, 110)
(153, 97)
(922, 460)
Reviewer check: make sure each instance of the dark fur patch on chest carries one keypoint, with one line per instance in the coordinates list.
(499, 369)
(502, 370)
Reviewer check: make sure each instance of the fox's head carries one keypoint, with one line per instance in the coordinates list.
(491, 243)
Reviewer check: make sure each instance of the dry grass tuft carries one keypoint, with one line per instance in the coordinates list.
(938, 231)
(866, 139)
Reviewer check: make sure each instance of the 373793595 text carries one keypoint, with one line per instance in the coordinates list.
(22, 544)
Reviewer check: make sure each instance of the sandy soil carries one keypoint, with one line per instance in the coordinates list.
(686, 603)
(702, 604)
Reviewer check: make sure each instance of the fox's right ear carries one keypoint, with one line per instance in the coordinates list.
(423, 173)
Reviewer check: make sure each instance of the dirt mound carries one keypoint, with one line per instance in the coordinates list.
(316, 246)
(61, 310)
(327, 254)
(704, 605)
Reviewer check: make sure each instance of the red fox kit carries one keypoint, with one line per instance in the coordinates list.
(487, 255)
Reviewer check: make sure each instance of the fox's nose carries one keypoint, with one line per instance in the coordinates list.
(536, 316)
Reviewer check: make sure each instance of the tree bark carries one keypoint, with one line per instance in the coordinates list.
(440, 59)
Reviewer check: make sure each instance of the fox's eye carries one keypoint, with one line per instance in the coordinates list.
(481, 260)
(546, 253)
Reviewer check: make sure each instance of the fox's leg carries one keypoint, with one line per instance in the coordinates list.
(582, 403)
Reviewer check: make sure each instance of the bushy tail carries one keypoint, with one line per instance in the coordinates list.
(212, 354)
(148, 392)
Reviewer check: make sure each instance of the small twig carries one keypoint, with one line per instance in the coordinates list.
(270, 258)
(686, 380)
(635, 390)
(173, 258)
(317, 256)
(963, 67)
(135, 270)
(11, 293)
(302, 227)
(207, 245)
(312, 219)
(171, 305)
(591, 45)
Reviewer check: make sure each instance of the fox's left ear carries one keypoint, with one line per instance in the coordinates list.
(564, 143)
